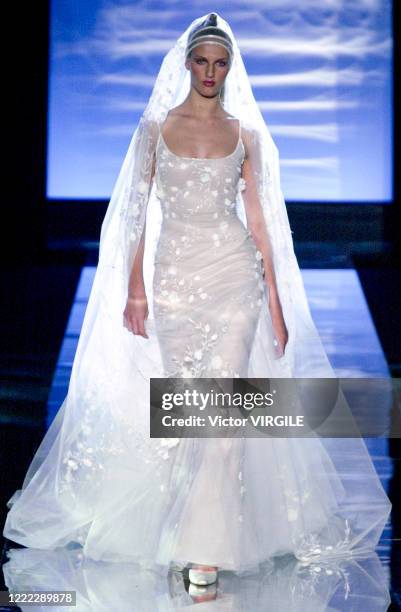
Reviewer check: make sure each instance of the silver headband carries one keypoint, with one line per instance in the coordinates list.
(214, 39)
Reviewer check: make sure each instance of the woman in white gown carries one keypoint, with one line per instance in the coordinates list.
(197, 277)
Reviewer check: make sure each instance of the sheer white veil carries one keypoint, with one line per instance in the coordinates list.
(109, 384)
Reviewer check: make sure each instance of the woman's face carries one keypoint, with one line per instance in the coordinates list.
(209, 66)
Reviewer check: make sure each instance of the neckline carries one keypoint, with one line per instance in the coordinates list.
(202, 158)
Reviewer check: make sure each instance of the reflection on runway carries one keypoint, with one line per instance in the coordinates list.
(287, 585)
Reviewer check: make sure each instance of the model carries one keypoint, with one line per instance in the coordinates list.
(197, 278)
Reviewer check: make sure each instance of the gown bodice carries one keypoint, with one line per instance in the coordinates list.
(198, 186)
(208, 284)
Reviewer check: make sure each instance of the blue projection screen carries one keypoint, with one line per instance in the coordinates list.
(321, 71)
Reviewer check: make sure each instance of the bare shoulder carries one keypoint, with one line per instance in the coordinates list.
(245, 137)
(150, 126)
(176, 111)
(249, 137)
(233, 122)
(230, 118)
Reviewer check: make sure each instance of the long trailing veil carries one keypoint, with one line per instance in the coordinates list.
(97, 474)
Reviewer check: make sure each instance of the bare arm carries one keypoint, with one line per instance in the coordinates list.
(136, 310)
(136, 286)
(256, 224)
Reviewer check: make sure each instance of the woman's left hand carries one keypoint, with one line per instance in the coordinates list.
(278, 322)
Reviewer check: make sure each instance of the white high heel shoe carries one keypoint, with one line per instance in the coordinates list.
(202, 594)
(202, 577)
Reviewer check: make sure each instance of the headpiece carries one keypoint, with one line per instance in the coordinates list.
(209, 32)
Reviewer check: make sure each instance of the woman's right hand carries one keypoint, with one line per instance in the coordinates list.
(278, 322)
(135, 313)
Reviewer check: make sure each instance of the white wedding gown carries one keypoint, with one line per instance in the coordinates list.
(233, 503)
